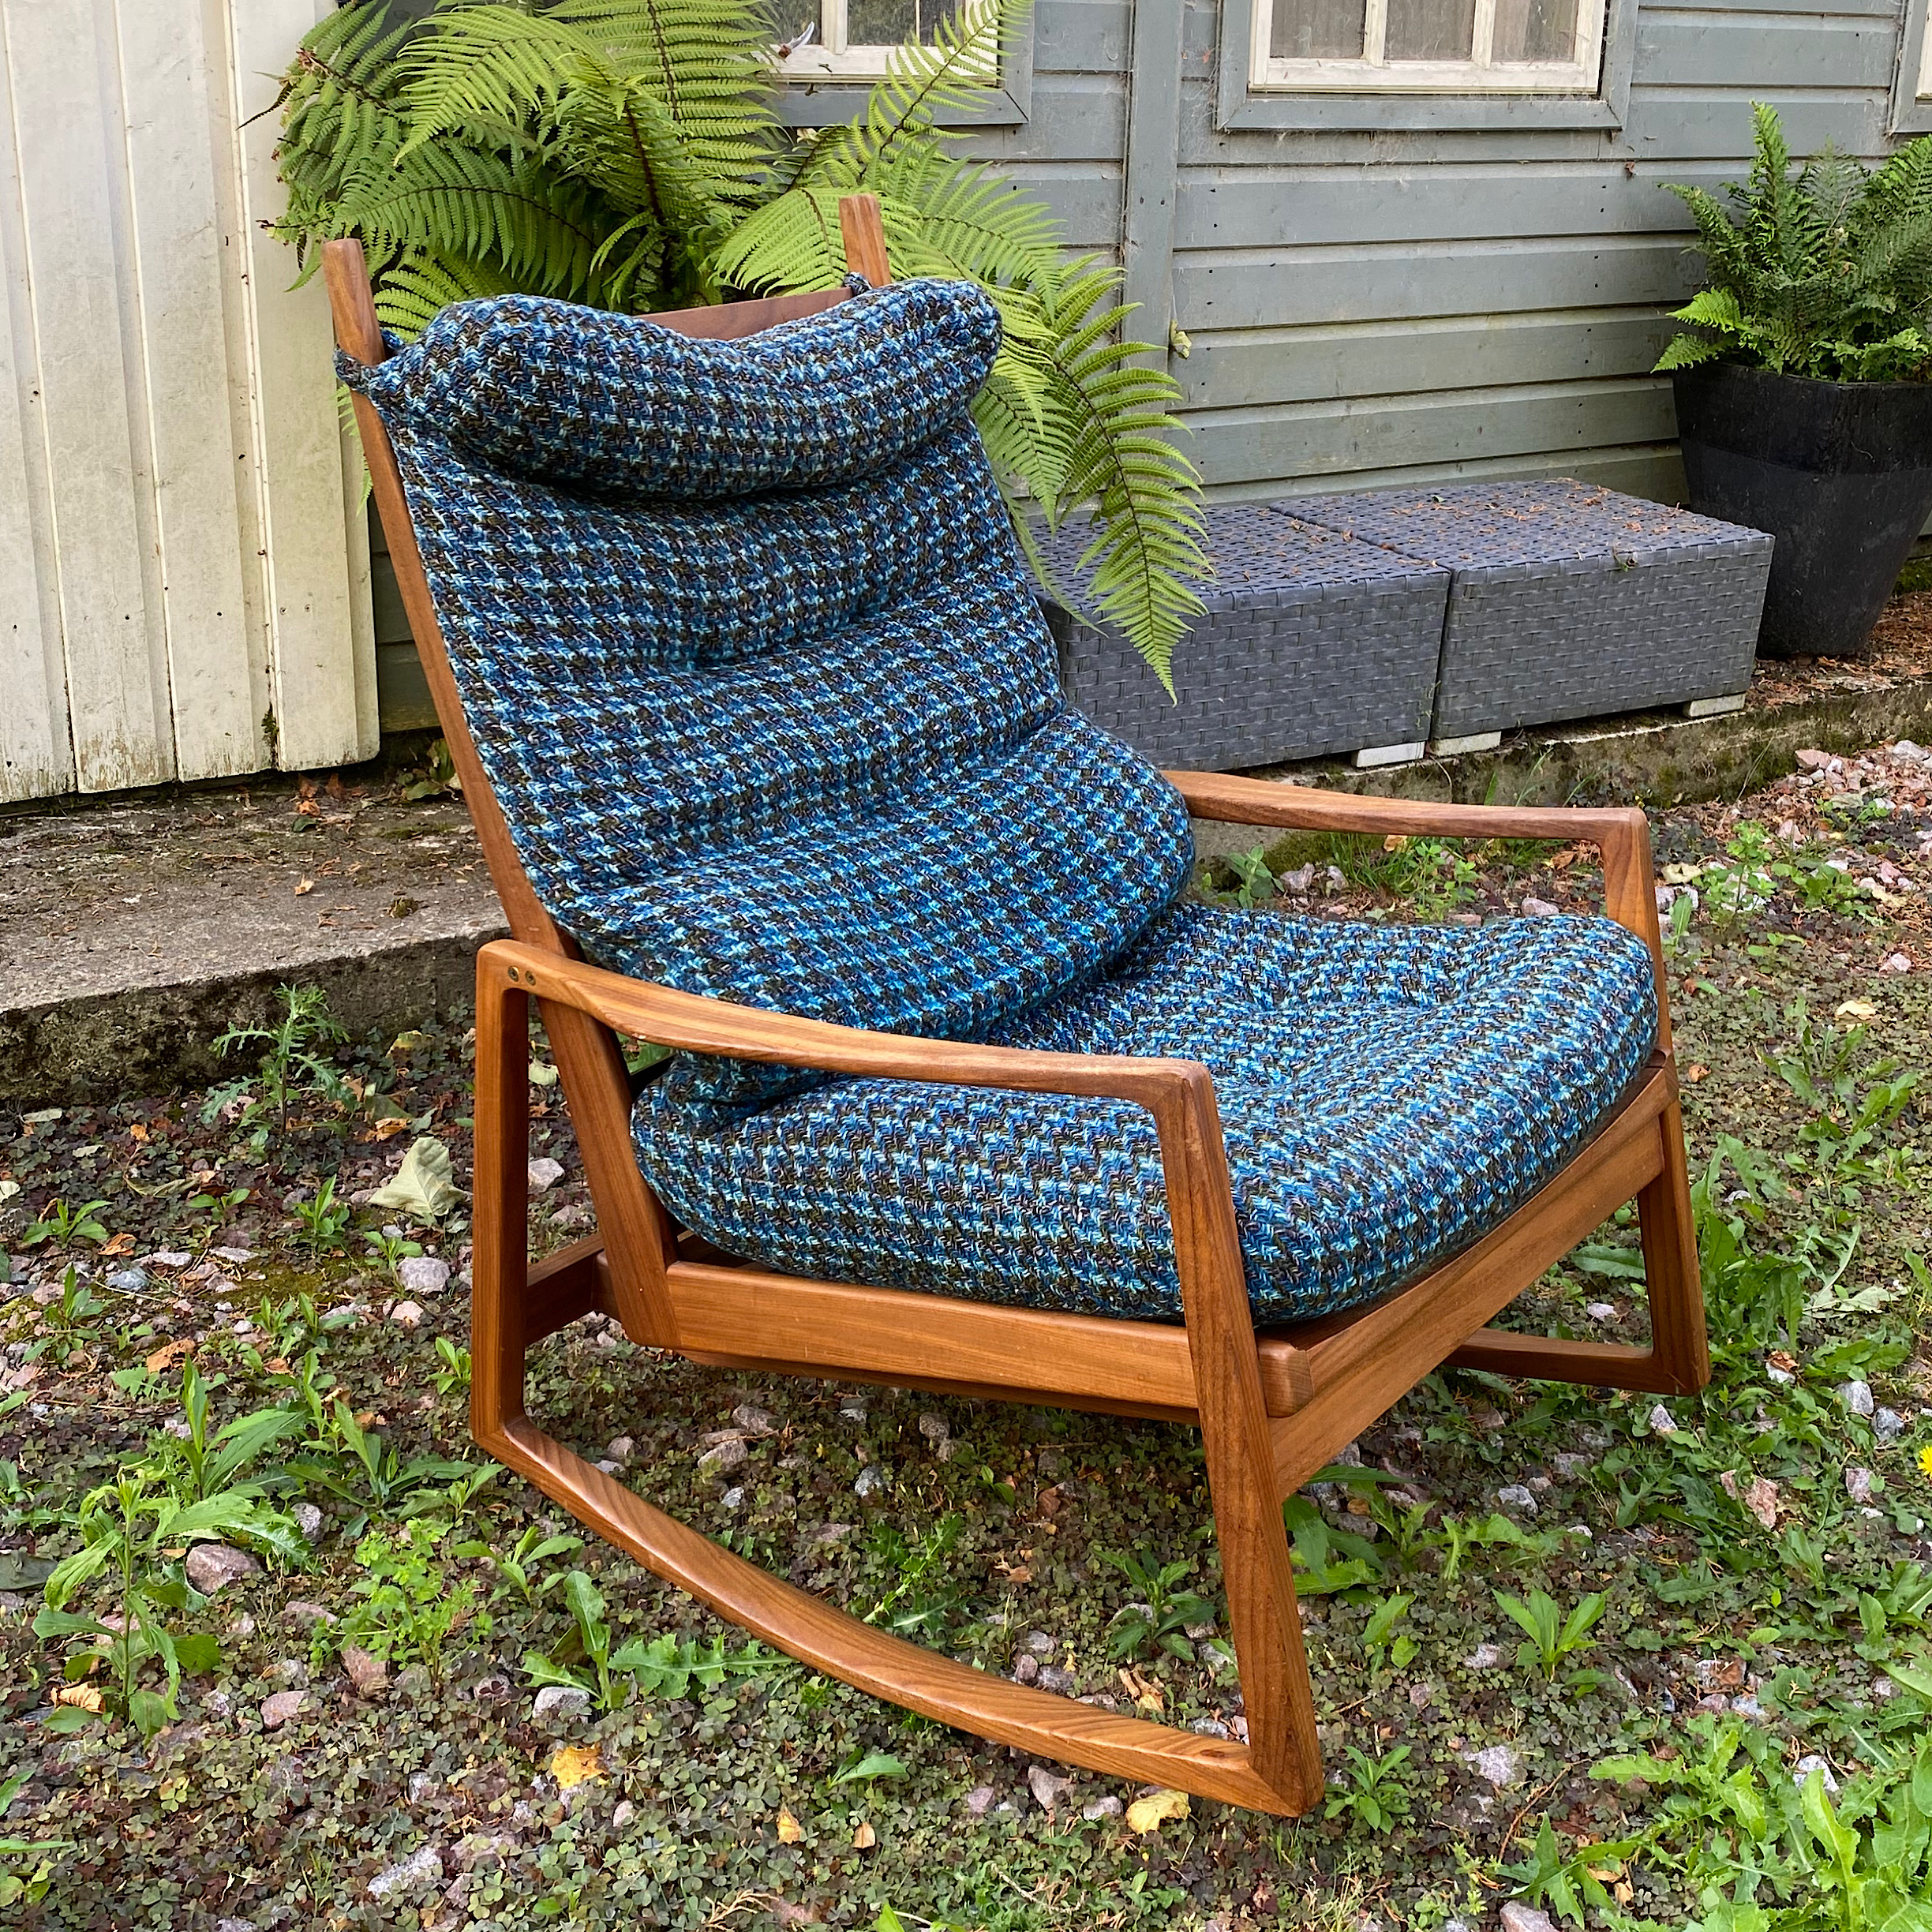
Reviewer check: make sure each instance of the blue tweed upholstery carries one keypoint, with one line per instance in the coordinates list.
(752, 661)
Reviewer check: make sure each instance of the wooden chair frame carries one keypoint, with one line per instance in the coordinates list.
(1273, 1406)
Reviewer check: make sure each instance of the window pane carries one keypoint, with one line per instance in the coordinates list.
(788, 18)
(887, 23)
(1317, 29)
(1430, 30)
(1536, 30)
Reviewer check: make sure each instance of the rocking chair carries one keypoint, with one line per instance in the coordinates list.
(737, 658)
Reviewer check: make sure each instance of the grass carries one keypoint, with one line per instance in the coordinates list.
(1597, 1701)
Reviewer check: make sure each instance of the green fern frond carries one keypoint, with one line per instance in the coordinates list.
(1820, 263)
(536, 227)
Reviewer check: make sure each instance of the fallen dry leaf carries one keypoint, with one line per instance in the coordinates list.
(1693, 1074)
(790, 1831)
(83, 1697)
(138, 1130)
(574, 1765)
(1856, 1009)
(169, 1353)
(121, 1244)
(865, 1837)
(386, 1128)
(306, 885)
(1149, 1814)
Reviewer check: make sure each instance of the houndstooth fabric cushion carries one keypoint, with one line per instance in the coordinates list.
(804, 748)
(616, 405)
(1387, 1094)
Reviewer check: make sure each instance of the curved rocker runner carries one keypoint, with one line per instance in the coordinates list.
(736, 655)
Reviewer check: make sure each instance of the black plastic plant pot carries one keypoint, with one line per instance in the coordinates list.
(1839, 473)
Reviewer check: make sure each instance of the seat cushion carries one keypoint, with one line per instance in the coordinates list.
(1388, 1094)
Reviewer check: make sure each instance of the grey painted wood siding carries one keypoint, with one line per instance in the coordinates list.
(1365, 307)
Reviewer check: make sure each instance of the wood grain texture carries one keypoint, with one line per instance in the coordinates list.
(862, 226)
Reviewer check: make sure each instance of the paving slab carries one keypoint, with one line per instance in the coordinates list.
(132, 933)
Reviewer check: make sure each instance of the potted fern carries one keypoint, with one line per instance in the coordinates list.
(1804, 382)
(626, 154)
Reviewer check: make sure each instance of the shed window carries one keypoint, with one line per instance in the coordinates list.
(852, 39)
(1428, 47)
(1925, 59)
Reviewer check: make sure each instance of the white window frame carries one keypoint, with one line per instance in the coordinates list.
(1374, 72)
(827, 56)
(1923, 91)
(1911, 82)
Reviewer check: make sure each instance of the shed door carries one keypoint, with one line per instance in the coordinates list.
(184, 570)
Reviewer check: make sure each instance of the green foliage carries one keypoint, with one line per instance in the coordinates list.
(35, 1855)
(1824, 272)
(1549, 1635)
(408, 1604)
(1374, 1790)
(1765, 1851)
(294, 1064)
(1160, 1611)
(63, 1225)
(1568, 1881)
(322, 1218)
(920, 1600)
(128, 1528)
(1253, 880)
(625, 154)
(1380, 1639)
(661, 1666)
(519, 1567)
(198, 1465)
(365, 1470)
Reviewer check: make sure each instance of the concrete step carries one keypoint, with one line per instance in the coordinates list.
(132, 932)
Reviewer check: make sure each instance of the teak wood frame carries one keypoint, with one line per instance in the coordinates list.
(1272, 1407)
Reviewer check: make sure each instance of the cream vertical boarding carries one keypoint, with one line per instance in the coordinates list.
(64, 87)
(321, 642)
(36, 755)
(177, 129)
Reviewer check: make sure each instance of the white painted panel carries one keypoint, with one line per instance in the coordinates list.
(179, 245)
(36, 758)
(66, 92)
(321, 646)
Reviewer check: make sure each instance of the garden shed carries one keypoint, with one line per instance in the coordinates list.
(1382, 242)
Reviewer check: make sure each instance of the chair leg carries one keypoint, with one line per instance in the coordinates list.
(1677, 1360)
(1671, 1267)
(1278, 1772)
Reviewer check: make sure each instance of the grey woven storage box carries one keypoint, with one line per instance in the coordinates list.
(1311, 643)
(1570, 601)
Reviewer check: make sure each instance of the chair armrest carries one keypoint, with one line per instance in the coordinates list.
(692, 1023)
(1620, 833)
(1179, 1094)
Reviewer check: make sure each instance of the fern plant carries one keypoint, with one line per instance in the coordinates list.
(1822, 270)
(625, 154)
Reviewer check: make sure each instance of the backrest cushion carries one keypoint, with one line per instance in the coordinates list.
(802, 749)
(617, 405)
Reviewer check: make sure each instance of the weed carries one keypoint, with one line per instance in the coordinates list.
(666, 1665)
(195, 1467)
(391, 1250)
(518, 1569)
(128, 1529)
(323, 1218)
(1550, 1636)
(1567, 1882)
(293, 1064)
(1252, 881)
(436, 776)
(394, 1486)
(1160, 1610)
(1382, 1641)
(410, 1605)
(1376, 1791)
(451, 1374)
(64, 1226)
(922, 1599)
(77, 1305)
(35, 1856)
